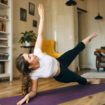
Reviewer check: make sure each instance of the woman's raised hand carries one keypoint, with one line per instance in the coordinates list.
(41, 10)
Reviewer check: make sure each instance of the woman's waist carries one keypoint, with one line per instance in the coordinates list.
(58, 69)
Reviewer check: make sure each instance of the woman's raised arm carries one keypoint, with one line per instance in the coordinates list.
(39, 40)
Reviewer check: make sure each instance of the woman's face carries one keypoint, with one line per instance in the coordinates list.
(31, 59)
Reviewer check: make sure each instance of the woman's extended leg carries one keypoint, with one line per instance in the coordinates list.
(69, 56)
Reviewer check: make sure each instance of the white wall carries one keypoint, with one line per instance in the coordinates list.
(89, 25)
(59, 25)
(58, 17)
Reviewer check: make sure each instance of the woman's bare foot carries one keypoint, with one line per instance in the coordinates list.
(92, 36)
(94, 81)
(89, 38)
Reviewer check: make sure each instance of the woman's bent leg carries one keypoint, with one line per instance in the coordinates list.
(67, 76)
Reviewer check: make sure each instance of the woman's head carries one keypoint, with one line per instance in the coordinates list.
(22, 64)
(25, 63)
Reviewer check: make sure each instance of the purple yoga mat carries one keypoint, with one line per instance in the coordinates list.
(57, 96)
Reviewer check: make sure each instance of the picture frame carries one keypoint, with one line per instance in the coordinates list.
(34, 23)
(23, 14)
(31, 8)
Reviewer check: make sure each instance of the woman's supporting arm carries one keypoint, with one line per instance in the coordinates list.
(30, 94)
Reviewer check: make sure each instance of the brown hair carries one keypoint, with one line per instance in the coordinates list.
(22, 66)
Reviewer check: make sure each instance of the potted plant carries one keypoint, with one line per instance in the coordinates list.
(27, 37)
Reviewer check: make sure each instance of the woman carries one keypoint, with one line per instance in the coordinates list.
(39, 65)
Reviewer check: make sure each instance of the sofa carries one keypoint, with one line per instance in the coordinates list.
(100, 58)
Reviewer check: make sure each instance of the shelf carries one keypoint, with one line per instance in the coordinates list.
(4, 33)
(3, 6)
(4, 75)
(1, 46)
(4, 60)
(6, 37)
(3, 38)
(3, 19)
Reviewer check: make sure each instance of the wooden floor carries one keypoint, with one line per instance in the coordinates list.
(8, 89)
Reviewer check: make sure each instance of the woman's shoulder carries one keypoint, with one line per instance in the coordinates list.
(36, 49)
(33, 76)
(38, 52)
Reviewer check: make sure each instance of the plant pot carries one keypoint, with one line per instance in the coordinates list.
(27, 43)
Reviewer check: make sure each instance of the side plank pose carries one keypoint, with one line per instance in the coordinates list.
(38, 65)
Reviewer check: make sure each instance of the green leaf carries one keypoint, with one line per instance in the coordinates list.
(28, 36)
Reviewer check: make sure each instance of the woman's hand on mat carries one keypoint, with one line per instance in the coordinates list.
(41, 11)
(25, 99)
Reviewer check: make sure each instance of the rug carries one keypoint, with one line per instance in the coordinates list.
(94, 75)
(57, 96)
